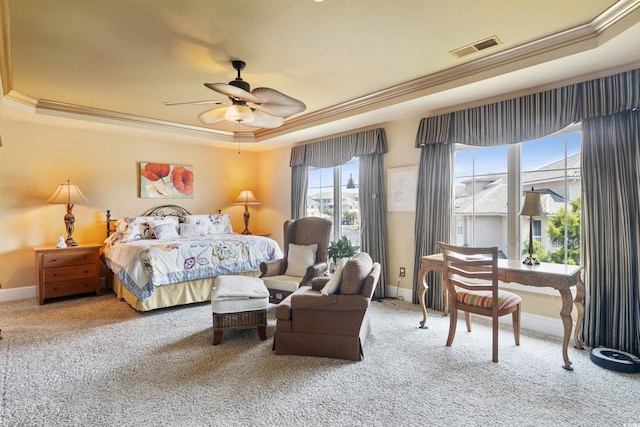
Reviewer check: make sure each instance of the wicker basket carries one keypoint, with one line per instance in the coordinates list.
(240, 320)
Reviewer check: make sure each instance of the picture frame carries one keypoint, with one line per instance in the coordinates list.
(402, 185)
(165, 181)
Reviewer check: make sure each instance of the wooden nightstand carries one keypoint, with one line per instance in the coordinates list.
(67, 271)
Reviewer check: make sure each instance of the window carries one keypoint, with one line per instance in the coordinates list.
(480, 194)
(484, 179)
(322, 195)
(552, 166)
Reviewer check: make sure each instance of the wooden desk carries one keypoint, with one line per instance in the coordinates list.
(558, 276)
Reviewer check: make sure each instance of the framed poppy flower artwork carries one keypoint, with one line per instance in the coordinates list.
(166, 181)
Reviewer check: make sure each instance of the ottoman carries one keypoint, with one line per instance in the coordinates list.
(239, 302)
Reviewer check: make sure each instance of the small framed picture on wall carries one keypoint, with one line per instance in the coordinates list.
(401, 189)
(166, 181)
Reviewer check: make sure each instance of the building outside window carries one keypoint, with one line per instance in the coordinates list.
(322, 195)
(484, 177)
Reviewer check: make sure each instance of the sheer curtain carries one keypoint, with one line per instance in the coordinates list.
(612, 305)
(370, 146)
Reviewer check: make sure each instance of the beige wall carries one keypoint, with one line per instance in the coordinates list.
(39, 152)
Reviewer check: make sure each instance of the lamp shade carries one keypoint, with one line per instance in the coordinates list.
(246, 197)
(68, 194)
(239, 113)
(532, 205)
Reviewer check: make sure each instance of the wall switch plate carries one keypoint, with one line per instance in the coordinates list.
(402, 272)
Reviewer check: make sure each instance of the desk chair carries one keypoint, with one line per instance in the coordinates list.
(472, 281)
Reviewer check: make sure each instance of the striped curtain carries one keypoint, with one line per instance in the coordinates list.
(610, 164)
(299, 182)
(433, 214)
(369, 146)
(611, 230)
(373, 206)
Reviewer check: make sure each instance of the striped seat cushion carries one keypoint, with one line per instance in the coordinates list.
(484, 299)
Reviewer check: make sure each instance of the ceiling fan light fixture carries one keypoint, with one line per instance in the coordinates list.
(239, 113)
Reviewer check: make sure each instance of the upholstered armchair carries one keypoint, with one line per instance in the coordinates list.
(330, 317)
(305, 256)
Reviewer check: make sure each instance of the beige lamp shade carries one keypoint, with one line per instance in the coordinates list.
(68, 194)
(246, 197)
(532, 205)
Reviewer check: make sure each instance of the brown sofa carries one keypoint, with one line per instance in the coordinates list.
(335, 325)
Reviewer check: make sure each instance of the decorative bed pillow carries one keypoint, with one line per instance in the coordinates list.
(138, 227)
(210, 224)
(188, 230)
(299, 258)
(164, 228)
(333, 285)
(134, 228)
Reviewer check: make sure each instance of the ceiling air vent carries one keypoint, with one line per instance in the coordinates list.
(476, 47)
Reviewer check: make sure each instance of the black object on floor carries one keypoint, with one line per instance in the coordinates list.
(615, 360)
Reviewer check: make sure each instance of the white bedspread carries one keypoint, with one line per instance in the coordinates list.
(142, 265)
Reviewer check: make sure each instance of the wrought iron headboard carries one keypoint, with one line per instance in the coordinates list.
(164, 210)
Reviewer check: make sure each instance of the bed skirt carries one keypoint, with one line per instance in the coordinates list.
(181, 293)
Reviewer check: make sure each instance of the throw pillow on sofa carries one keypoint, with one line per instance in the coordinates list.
(354, 273)
(333, 285)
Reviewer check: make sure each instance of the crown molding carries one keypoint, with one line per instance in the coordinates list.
(577, 39)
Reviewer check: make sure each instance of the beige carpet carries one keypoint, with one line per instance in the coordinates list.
(93, 361)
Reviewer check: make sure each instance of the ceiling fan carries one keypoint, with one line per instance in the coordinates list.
(261, 107)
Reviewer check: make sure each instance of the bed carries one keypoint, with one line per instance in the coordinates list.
(167, 256)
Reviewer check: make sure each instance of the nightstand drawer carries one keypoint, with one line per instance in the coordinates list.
(67, 271)
(59, 274)
(71, 287)
(77, 257)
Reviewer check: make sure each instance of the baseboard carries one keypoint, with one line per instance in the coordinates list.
(12, 294)
(26, 292)
(533, 322)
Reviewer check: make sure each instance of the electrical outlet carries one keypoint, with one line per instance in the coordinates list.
(402, 272)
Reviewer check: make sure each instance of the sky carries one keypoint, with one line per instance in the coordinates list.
(535, 154)
(324, 176)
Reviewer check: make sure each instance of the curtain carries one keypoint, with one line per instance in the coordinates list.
(373, 206)
(612, 300)
(299, 182)
(370, 146)
(433, 214)
(611, 229)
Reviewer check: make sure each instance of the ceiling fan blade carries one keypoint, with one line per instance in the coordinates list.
(234, 92)
(212, 116)
(263, 120)
(277, 103)
(171, 104)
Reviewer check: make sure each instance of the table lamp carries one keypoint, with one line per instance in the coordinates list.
(532, 207)
(246, 198)
(68, 194)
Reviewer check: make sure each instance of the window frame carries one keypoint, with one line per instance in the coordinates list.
(514, 193)
(336, 217)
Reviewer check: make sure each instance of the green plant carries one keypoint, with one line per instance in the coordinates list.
(341, 249)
